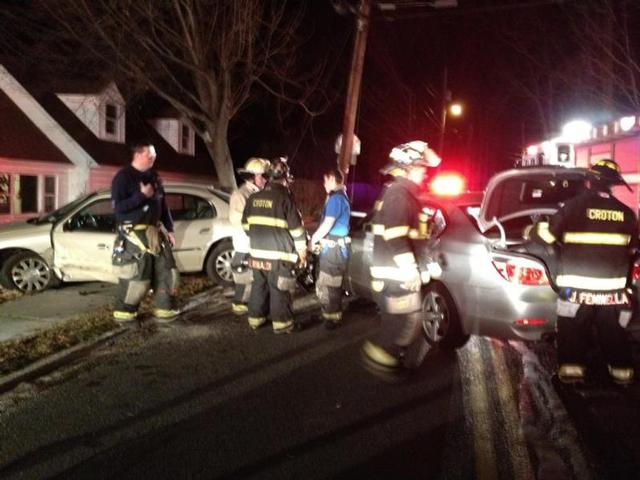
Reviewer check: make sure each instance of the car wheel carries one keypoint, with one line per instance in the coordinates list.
(218, 266)
(440, 321)
(28, 272)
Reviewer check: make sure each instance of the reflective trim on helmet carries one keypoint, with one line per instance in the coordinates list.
(591, 283)
(593, 238)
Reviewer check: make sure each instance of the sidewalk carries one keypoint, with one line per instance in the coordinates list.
(32, 313)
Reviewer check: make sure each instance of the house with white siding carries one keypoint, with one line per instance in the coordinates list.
(61, 142)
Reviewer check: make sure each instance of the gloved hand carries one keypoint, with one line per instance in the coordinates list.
(302, 259)
(414, 283)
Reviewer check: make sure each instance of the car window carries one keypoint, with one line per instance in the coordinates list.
(518, 194)
(189, 207)
(98, 216)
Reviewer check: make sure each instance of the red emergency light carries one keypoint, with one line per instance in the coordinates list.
(448, 184)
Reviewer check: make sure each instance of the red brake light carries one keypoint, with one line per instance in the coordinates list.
(530, 322)
(448, 184)
(521, 271)
(636, 272)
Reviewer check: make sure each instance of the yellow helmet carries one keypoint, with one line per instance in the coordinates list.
(255, 166)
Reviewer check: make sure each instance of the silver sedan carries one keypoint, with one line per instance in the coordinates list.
(491, 284)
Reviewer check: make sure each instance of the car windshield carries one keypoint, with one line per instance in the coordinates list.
(53, 217)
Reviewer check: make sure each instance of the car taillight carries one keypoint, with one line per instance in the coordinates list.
(521, 271)
(636, 272)
(530, 322)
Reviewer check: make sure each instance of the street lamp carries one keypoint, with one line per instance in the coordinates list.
(448, 108)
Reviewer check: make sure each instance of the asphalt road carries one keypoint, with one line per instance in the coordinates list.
(208, 398)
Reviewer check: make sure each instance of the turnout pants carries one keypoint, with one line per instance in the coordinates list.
(242, 278)
(401, 312)
(332, 265)
(139, 269)
(274, 282)
(575, 324)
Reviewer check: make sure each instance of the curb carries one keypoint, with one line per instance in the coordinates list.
(52, 362)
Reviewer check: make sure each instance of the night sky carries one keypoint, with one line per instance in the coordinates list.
(517, 66)
(485, 46)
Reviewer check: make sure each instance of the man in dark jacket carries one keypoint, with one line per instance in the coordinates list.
(594, 234)
(277, 243)
(142, 256)
(397, 223)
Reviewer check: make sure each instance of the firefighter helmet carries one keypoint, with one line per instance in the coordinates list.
(411, 154)
(255, 166)
(279, 170)
(607, 172)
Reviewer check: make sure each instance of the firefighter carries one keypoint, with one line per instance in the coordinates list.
(277, 243)
(594, 235)
(142, 255)
(254, 175)
(397, 223)
(333, 238)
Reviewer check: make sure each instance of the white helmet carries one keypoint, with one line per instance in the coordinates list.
(255, 166)
(416, 153)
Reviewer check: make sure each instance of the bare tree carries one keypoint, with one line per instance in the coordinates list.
(609, 64)
(204, 57)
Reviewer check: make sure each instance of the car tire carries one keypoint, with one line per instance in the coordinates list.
(218, 264)
(440, 321)
(27, 272)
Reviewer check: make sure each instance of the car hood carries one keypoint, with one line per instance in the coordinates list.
(22, 231)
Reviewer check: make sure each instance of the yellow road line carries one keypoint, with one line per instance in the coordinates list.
(516, 442)
(475, 387)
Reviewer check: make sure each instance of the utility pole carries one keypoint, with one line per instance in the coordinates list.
(446, 98)
(353, 90)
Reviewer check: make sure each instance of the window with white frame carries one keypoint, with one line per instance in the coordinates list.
(24, 194)
(113, 126)
(49, 194)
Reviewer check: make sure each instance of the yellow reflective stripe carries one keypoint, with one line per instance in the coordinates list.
(544, 233)
(377, 229)
(379, 355)
(267, 221)
(273, 255)
(405, 260)
(591, 283)
(245, 226)
(414, 234)
(378, 205)
(297, 232)
(332, 316)
(393, 273)
(592, 238)
(377, 285)
(395, 232)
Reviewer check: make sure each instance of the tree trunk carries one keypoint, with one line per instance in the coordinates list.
(218, 148)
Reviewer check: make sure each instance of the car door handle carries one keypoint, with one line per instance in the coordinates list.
(204, 230)
(103, 246)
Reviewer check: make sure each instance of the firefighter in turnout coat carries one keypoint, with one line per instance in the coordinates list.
(395, 279)
(594, 234)
(254, 174)
(277, 243)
